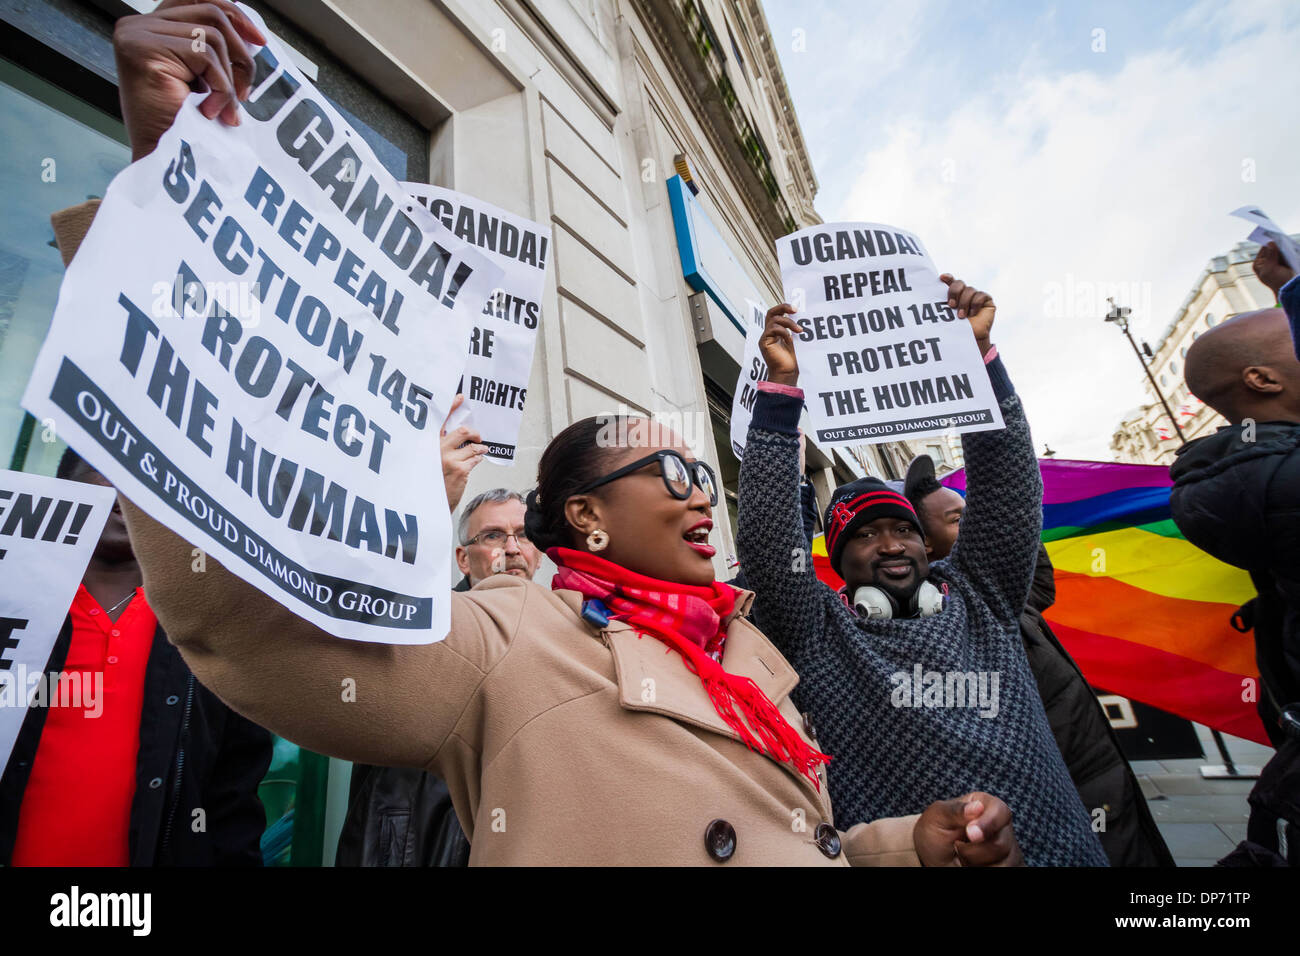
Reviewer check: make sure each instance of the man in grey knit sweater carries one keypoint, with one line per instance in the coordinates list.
(881, 684)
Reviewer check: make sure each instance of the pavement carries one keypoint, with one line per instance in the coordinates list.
(1201, 820)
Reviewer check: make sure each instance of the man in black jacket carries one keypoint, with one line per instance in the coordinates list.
(197, 765)
(1102, 776)
(1237, 496)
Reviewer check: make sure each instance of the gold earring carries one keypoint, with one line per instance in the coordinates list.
(598, 540)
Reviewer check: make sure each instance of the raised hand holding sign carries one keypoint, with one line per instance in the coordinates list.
(883, 350)
(274, 348)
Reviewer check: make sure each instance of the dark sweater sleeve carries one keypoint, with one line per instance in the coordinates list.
(774, 552)
(1289, 297)
(1042, 593)
(997, 542)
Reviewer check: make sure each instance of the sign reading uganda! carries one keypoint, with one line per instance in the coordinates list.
(48, 531)
(881, 356)
(257, 343)
(501, 344)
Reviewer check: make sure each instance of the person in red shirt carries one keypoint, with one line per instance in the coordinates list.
(145, 767)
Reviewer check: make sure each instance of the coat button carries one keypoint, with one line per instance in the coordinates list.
(172, 699)
(827, 839)
(809, 727)
(155, 783)
(112, 659)
(720, 840)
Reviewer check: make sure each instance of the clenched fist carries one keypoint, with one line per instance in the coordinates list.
(1272, 269)
(181, 47)
(973, 305)
(974, 830)
(777, 345)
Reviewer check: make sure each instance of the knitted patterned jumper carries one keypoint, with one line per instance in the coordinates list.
(870, 685)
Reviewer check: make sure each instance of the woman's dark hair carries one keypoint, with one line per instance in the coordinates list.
(575, 457)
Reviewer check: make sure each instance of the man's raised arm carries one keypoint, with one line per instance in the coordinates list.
(774, 553)
(997, 544)
(369, 703)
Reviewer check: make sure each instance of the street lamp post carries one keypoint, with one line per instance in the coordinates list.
(1119, 315)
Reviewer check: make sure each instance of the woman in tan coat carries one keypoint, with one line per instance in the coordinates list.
(628, 715)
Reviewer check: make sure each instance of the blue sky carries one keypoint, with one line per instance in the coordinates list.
(1030, 162)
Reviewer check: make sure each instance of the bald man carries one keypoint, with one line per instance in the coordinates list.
(1247, 368)
(1237, 496)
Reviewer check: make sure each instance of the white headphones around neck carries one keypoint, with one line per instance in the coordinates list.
(871, 602)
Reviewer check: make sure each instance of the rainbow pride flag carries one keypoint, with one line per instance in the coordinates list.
(822, 563)
(1144, 613)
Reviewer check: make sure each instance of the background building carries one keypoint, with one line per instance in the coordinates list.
(656, 137)
(944, 449)
(1227, 286)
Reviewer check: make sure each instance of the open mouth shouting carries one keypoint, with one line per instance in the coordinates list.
(697, 536)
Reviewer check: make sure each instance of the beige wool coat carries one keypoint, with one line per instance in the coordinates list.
(561, 743)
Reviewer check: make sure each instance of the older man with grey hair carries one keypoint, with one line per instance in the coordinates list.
(492, 539)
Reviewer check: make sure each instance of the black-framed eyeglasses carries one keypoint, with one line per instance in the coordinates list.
(678, 475)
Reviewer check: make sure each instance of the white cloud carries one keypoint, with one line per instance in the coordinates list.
(1123, 178)
(845, 51)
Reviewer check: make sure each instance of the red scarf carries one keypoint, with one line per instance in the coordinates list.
(690, 619)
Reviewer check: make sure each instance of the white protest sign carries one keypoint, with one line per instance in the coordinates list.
(501, 344)
(1266, 230)
(752, 371)
(48, 531)
(257, 343)
(881, 357)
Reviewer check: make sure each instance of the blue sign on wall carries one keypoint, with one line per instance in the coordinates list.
(707, 261)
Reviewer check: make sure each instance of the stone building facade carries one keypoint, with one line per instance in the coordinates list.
(1226, 287)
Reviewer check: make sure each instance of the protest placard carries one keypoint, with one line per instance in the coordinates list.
(501, 343)
(257, 343)
(752, 371)
(48, 531)
(881, 356)
(1266, 231)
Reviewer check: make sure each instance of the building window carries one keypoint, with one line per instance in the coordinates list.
(1164, 379)
(1184, 349)
(1209, 319)
(401, 144)
(740, 60)
(59, 151)
(1173, 368)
